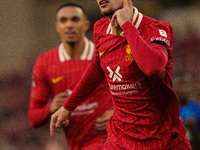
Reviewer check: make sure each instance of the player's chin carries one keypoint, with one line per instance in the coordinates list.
(71, 42)
(106, 12)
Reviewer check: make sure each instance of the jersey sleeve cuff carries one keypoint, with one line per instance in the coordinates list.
(68, 108)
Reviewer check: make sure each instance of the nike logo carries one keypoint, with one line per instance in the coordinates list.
(55, 80)
(100, 53)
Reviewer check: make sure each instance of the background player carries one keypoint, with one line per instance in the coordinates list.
(56, 73)
(135, 54)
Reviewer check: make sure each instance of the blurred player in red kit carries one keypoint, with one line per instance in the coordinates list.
(56, 73)
(134, 53)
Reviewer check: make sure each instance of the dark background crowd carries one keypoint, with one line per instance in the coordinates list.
(27, 29)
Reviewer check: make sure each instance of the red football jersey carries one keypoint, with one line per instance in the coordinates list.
(146, 109)
(55, 72)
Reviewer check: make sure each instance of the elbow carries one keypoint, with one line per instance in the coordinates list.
(32, 124)
(155, 69)
(157, 63)
(31, 121)
(153, 72)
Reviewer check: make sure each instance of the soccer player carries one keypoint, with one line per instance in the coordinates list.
(56, 73)
(134, 52)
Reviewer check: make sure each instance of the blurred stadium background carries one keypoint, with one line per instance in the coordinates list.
(27, 29)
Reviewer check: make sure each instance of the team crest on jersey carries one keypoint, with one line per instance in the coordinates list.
(129, 56)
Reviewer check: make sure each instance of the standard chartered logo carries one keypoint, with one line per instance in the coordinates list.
(114, 75)
(125, 86)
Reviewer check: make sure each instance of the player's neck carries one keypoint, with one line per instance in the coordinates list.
(75, 50)
(116, 30)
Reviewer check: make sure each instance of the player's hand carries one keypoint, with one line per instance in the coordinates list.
(101, 121)
(59, 119)
(58, 101)
(124, 14)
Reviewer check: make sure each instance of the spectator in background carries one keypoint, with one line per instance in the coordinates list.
(56, 73)
(189, 110)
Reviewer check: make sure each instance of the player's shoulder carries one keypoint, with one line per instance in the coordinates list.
(47, 56)
(151, 22)
(156, 30)
(102, 21)
(101, 24)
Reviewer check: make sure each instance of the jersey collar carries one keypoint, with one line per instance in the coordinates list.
(86, 55)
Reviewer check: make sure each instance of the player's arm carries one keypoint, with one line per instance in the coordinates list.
(151, 58)
(38, 111)
(91, 79)
(101, 122)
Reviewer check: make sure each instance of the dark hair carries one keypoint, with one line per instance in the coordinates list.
(71, 4)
